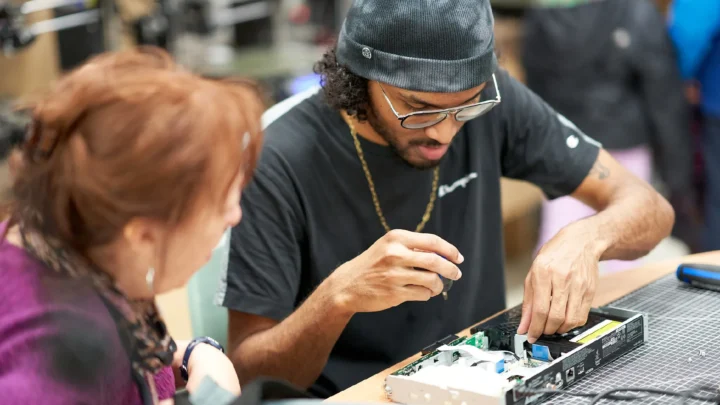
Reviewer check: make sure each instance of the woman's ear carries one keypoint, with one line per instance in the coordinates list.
(142, 238)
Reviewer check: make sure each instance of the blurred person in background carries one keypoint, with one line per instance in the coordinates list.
(131, 171)
(610, 67)
(695, 29)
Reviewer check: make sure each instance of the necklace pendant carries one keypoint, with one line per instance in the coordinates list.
(445, 295)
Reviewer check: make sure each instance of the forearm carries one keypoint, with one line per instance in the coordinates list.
(636, 219)
(297, 348)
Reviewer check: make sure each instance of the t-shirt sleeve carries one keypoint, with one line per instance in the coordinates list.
(540, 145)
(264, 265)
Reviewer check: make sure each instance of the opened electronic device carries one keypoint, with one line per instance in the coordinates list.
(496, 366)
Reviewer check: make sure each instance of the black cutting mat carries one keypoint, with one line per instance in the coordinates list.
(684, 324)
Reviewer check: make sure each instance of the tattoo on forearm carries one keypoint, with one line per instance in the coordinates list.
(601, 171)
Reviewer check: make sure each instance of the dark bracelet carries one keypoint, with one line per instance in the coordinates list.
(186, 357)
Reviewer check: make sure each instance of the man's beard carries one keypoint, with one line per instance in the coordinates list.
(402, 153)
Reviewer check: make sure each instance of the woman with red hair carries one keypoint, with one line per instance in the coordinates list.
(131, 171)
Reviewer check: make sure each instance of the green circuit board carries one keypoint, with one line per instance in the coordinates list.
(478, 340)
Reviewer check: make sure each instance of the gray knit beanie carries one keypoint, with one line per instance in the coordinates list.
(439, 46)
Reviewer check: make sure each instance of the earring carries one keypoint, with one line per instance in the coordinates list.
(150, 278)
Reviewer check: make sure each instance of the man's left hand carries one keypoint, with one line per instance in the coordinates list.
(559, 289)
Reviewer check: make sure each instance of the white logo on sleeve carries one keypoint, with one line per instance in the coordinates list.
(572, 141)
(569, 124)
(463, 182)
(622, 38)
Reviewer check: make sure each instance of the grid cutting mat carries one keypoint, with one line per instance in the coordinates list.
(684, 324)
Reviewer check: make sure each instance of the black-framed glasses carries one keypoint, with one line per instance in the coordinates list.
(425, 119)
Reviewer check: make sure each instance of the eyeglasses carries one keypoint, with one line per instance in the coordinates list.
(425, 119)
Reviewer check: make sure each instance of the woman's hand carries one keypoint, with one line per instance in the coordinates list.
(206, 360)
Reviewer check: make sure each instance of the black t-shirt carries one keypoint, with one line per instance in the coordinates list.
(308, 209)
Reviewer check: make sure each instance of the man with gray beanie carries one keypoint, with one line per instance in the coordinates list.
(374, 194)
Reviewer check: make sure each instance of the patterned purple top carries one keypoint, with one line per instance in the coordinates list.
(58, 343)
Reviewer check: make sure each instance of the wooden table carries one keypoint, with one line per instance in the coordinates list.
(610, 288)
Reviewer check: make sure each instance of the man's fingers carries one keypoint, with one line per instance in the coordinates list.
(540, 306)
(416, 293)
(585, 309)
(573, 313)
(434, 263)
(427, 242)
(557, 303)
(556, 314)
(421, 278)
(526, 308)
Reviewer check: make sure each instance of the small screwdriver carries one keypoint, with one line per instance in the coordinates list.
(447, 284)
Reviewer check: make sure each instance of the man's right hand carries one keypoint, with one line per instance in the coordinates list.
(388, 273)
(382, 277)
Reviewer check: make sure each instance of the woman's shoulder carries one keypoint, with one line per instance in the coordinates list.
(29, 289)
(57, 337)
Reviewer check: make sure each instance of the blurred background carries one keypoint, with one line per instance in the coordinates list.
(276, 43)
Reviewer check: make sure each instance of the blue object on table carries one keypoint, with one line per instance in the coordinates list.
(541, 352)
(500, 367)
(705, 276)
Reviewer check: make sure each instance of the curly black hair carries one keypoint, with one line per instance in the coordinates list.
(343, 89)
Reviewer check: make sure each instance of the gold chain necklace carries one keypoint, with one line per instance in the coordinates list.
(371, 185)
